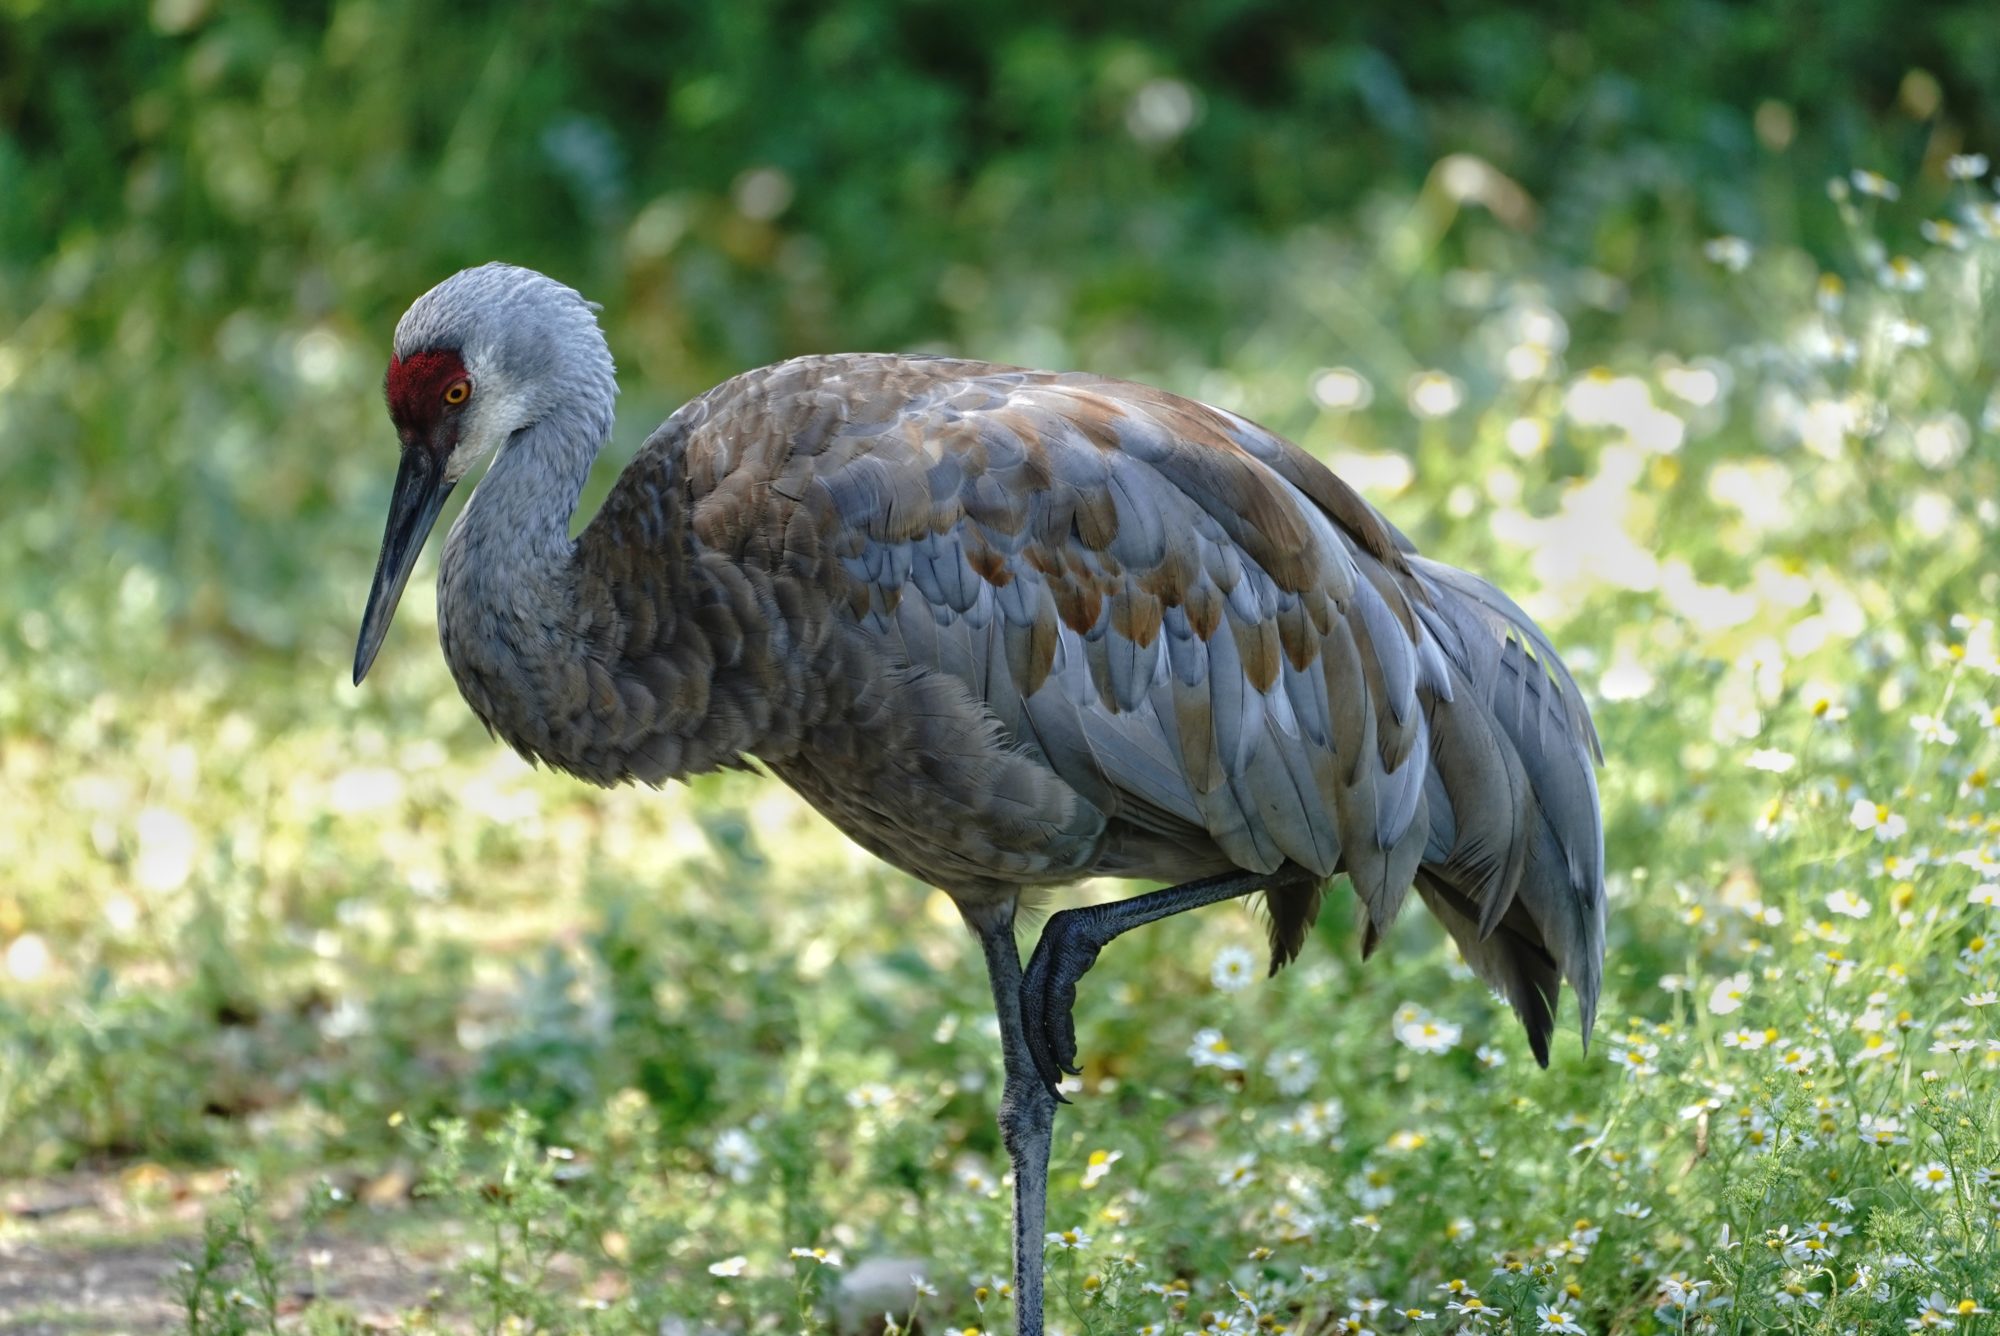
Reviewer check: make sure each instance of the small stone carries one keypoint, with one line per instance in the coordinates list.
(874, 1286)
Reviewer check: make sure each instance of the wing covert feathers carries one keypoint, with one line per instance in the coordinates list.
(1184, 622)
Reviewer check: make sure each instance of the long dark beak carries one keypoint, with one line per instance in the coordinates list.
(413, 508)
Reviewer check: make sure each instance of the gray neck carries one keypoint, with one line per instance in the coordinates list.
(506, 593)
(515, 531)
(510, 548)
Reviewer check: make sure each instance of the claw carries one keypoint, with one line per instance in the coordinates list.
(1034, 1024)
(1048, 997)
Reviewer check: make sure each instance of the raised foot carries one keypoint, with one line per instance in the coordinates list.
(1068, 948)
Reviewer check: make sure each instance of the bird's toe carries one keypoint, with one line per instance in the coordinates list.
(1048, 996)
(1062, 1031)
(1035, 1024)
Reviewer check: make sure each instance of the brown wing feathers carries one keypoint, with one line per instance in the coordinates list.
(1195, 627)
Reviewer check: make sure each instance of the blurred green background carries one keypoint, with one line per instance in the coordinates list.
(1564, 288)
(213, 213)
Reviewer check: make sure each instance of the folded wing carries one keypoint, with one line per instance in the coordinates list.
(1208, 635)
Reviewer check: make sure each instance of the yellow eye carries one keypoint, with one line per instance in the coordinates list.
(457, 393)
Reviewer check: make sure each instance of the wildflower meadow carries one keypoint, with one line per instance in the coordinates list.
(322, 1012)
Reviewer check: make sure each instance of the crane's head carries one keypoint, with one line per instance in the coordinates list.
(480, 358)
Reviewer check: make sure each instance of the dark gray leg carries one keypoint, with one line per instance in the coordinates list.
(1070, 944)
(1027, 1112)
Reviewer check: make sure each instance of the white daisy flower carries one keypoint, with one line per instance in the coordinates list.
(1419, 1030)
(1233, 969)
(1728, 995)
(1932, 1177)
(1210, 1049)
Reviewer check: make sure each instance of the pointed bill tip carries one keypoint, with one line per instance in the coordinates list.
(419, 495)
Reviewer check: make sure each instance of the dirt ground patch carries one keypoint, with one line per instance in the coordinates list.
(99, 1254)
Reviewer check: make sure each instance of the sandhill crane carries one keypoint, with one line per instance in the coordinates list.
(1006, 629)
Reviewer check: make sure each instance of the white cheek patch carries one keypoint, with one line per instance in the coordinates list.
(497, 410)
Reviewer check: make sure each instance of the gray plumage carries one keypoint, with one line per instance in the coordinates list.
(1006, 629)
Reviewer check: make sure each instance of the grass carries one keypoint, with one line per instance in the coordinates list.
(636, 1060)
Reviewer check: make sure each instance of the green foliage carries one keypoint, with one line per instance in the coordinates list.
(236, 1282)
(1570, 299)
(518, 1212)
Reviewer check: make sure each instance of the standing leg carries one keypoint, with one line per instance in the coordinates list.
(1027, 1112)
